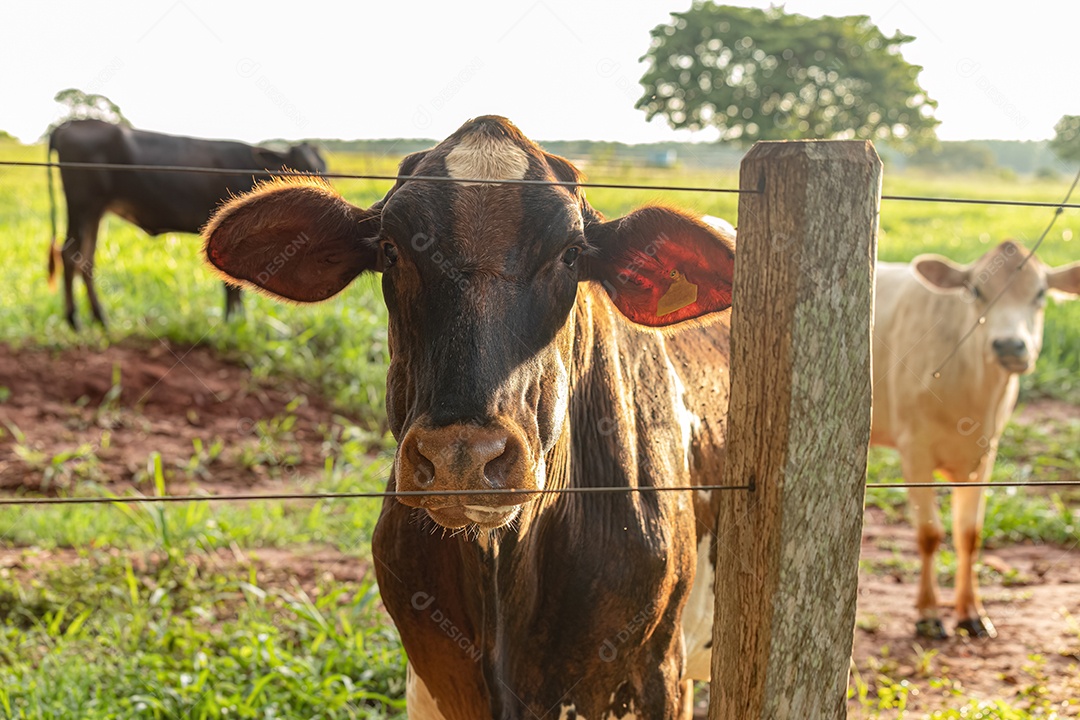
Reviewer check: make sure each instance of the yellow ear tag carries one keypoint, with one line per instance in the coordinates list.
(681, 293)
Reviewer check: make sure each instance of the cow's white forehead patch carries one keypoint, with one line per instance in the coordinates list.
(482, 157)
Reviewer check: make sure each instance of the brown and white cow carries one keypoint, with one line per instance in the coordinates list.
(527, 353)
(952, 423)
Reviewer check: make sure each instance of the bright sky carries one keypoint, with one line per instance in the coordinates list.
(560, 69)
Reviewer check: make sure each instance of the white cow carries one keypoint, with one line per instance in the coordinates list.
(951, 423)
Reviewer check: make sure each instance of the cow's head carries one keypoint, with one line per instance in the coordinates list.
(305, 157)
(480, 281)
(1014, 323)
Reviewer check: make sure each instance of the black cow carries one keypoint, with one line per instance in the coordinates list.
(156, 201)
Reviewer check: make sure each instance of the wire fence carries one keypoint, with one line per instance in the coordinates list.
(510, 492)
(1059, 207)
(256, 172)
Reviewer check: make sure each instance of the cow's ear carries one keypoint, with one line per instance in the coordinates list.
(1065, 279)
(661, 267)
(297, 239)
(940, 273)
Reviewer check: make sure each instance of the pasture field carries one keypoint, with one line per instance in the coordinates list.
(269, 609)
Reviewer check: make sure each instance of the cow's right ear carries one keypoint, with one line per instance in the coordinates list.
(940, 273)
(294, 238)
(1065, 279)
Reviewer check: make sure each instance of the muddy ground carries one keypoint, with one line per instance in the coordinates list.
(78, 415)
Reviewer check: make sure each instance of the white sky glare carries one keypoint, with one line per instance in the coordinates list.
(560, 69)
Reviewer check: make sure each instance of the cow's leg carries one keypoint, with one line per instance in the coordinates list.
(233, 303)
(969, 504)
(687, 689)
(86, 265)
(78, 257)
(929, 534)
(70, 254)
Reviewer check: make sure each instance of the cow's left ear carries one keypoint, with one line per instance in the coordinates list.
(662, 267)
(1065, 279)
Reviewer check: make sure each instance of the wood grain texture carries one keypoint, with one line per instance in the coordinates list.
(799, 426)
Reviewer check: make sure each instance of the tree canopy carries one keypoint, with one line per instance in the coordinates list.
(771, 75)
(1066, 140)
(82, 105)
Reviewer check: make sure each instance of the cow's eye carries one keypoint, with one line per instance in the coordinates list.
(390, 253)
(1041, 297)
(571, 255)
(975, 294)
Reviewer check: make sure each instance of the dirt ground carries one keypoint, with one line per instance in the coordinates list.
(69, 406)
(1036, 614)
(98, 415)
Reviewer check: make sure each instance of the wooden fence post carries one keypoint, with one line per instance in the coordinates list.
(798, 429)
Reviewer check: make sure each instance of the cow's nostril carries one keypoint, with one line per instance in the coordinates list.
(1009, 346)
(423, 469)
(497, 470)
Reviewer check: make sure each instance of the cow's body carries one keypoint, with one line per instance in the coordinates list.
(514, 366)
(155, 201)
(951, 423)
(582, 602)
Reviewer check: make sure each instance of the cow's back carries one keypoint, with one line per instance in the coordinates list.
(88, 141)
(85, 141)
(179, 201)
(157, 201)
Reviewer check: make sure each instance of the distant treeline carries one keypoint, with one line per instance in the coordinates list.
(1023, 157)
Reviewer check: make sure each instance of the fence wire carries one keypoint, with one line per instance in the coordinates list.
(511, 492)
(482, 181)
(353, 176)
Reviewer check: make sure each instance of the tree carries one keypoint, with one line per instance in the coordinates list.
(1066, 141)
(964, 156)
(769, 75)
(82, 105)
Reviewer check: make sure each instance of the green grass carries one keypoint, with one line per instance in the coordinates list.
(345, 524)
(136, 626)
(97, 638)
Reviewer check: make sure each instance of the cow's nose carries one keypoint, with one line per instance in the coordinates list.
(1012, 347)
(462, 457)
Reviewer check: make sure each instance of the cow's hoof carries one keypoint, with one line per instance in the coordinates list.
(977, 627)
(931, 628)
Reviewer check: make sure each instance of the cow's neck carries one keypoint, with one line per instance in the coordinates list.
(561, 552)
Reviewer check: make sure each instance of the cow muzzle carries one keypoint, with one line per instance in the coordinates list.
(1013, 354)
(466, 460)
